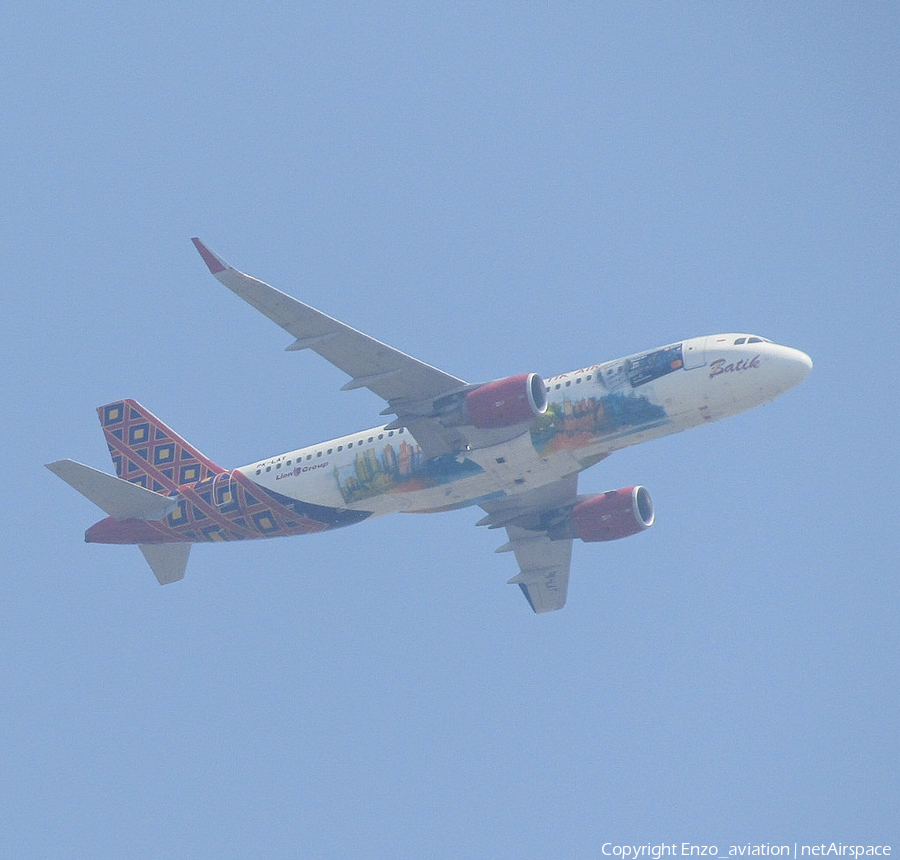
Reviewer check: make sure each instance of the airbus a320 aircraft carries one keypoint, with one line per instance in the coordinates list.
(514, 447)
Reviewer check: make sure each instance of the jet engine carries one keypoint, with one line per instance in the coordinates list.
(609, 516)
(506, 402)
(495, 405)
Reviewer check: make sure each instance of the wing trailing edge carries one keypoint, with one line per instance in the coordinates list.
(543, 563)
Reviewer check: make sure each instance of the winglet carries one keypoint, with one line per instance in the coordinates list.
(215, 264)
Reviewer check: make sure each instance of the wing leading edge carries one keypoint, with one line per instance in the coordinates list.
(407, 384)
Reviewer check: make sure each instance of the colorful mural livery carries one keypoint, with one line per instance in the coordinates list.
(390, 470)
(574, 424)
(637, 370)
(571, 424)
(513, 446)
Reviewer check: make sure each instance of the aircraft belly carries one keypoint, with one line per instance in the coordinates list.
(382, 479)
(577, 431)
(317, 488)
(590, 415)
(513, 475)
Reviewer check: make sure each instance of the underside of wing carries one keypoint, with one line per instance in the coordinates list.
(543, 569)
(400, 379)
(543, 563)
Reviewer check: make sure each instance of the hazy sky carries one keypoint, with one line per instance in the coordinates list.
(495, 189)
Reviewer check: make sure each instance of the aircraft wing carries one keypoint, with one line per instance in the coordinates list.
(389, 373)
(543, 563)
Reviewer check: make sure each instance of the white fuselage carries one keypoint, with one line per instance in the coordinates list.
(591, 413)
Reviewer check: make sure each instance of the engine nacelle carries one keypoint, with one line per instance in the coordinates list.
(506, 402)
(609, 516)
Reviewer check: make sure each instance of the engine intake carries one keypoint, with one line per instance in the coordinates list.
(506, 402)
(609, 516)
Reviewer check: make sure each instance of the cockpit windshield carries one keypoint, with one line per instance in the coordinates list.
(750, 339)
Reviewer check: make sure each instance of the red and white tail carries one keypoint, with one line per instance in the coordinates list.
(145, 451)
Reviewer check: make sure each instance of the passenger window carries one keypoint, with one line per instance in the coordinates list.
(329, 451)
(318, 453)
(349, 444)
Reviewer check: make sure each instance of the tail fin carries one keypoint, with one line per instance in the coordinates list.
(146, 452)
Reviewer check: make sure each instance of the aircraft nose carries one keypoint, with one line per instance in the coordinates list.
(795, 365)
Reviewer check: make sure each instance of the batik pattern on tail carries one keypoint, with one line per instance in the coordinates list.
(145, 451)
(230, 506)
(213, 504)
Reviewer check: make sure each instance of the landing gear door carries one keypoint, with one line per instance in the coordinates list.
(693, 352)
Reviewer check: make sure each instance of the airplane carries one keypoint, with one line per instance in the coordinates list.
(513, 447)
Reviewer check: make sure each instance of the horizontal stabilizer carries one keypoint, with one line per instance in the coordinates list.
(168, 561)
(119, 498)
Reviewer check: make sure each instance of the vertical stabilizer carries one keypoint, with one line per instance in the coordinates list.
(146, 452)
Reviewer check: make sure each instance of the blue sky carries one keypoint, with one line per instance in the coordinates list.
(493, 188)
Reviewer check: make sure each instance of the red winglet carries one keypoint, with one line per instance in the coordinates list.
(212, 261)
